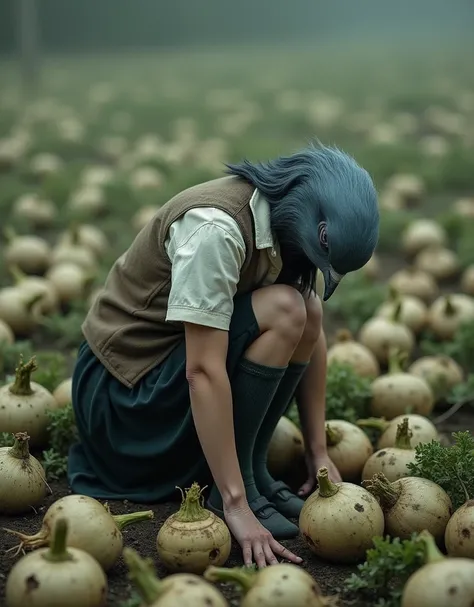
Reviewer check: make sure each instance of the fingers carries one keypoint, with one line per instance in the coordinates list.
(271, 558)
(259, 555)
(306, 488)
(247, 553)
(286, 554)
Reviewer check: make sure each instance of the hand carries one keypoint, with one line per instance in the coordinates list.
(314, 463)
(254, 539)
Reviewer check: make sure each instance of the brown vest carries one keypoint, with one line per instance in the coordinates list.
(126, 327)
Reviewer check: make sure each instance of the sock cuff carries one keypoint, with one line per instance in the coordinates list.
(297, 368)
(259, 370)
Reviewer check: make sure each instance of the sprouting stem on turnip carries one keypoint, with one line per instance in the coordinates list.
(123, 520)
(22, 383)
(432, 554)
(57, 548)
(404, 434)
(449, 467)
(397, 360)
(20, 446)
(449, 309)
(383, 490)
(326, 487)
(333, 436)
(397, 310)
(192, 507)
(375, 423)
(243, 576)
(141, 573)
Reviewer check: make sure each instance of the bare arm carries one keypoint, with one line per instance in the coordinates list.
(211, 404)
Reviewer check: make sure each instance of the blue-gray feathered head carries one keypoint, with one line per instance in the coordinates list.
(324, 213)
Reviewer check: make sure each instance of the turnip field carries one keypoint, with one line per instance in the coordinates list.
(85, 163)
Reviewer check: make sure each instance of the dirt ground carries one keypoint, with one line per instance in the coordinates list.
(142, 537)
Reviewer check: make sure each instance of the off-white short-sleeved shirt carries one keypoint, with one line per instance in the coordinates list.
(207, 252)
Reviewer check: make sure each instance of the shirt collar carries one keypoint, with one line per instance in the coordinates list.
(261, 215)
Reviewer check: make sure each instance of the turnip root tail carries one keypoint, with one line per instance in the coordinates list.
(142, 575)
(383, 490)
(432, 552)
(245, 577)
(378, 423)
(326, 487)
(404, 434)
(38, 540)
(22, 384)
(333, 435)
(192, 506)
(397, 360)
(122, 520)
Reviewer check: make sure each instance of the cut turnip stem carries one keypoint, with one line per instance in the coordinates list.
(22, 479)
(91, 528)
(421, 428)
(276, 586)
(339, 520)
(411, 505)
(183, 589)
(193, 538)
(392, 461)
(442, 581)
(57, 576)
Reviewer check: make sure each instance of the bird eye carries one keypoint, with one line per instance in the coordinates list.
(323, 236)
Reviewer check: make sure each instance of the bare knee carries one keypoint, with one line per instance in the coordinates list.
(282, 309)
(314, 318)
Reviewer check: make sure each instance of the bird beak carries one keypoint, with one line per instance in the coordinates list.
(331, 280)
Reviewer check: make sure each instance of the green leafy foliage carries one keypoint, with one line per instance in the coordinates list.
(462, 393)
(450, 467)
(381, 578)
(6, 439)
(62, 432)
(10, 355)
(460, 348)
(52, 369)
(65, 329)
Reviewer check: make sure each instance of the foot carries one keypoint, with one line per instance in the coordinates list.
(285, 501)
(280, 527)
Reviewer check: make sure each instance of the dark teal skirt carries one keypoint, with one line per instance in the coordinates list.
(140, 443)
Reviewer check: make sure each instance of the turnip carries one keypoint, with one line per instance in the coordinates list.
(44, 164)
(410, 505)
(464, 207)
(70, 281)
(88, 200)
(57, 576)
(22, 478)
(412, 281)
(413, 311)
(440, 372)
(467, 281)
(409, 187)
(91, 528)
(423, 431)
(41, 213)
(280, 585)
(423, 233)
(193, 538)
(441, 582)
(348, 447)
(24, 405)
(87, 236)
(381, 335)
(31, 254)
(143, 216)
(286, 448)
(183, 589)
(392, 461)
(398, 392)
(441, 263)
(348, 351)
(449, 312)
(6, 334)
(63, 393)
(19, 311)
(32, 286)
(146, 178)
(339, 520)
(459, 536)
(74, 253)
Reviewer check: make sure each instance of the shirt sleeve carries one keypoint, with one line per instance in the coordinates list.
(207, 251)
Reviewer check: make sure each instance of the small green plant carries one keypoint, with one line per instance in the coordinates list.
(449, 467)
(65, 329)
(62, 432)
(10, 354)
(133, 601)
(52, 369)
(381, 578)
(6, 439)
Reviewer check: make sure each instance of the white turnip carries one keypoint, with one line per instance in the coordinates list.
(22, 477)
(277, 586)
(412, 281)
(350, 352)
(421, 428)
(193, 538)
(91, 528)
(413, 311)
(392, 461)
(19, 311)
(31, 254)
(63, 392)
(37, 287)
(57, 576)
(24, 405)
(449, 312)
(88, 236)
(348, 447)
(440, 372)
(467, 281)
(6, 334)
(442, 263)
(423, 233)
(398, 392)
(410, 505)
(70, 281)
(286, 448)
(339, 520)
(441, 582)
(40, 213)
(183, 589)
(459, 536)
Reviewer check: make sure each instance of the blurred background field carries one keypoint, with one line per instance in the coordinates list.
(125, 104)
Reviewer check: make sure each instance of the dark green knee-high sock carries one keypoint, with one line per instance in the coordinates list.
(277, 492)
(253, 388)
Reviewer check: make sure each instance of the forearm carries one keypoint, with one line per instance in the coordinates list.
(311, 399)
(211, 405)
